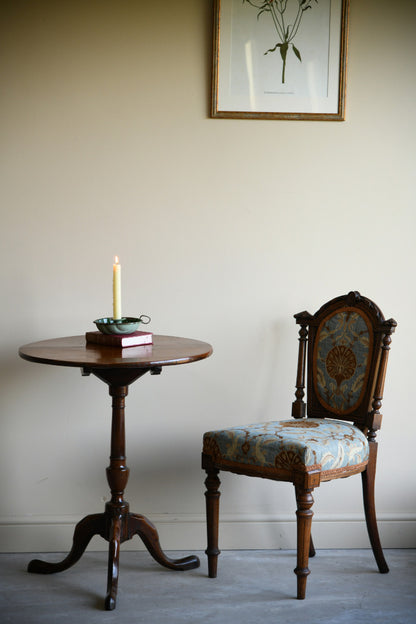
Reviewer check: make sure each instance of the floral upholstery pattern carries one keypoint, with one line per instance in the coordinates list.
(289, 443)
(341, 355)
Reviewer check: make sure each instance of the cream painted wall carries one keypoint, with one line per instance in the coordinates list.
(225, 229)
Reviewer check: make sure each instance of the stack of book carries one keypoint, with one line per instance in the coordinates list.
(135, 339)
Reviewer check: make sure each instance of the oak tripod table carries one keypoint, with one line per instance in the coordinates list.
(118, 368)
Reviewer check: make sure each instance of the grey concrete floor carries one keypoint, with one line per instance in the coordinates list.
(252, 587)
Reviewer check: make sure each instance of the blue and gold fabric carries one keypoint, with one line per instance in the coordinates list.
(342, 348)
(288, 444)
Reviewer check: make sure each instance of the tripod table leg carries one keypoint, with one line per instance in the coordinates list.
(84, 531)
(146, 530)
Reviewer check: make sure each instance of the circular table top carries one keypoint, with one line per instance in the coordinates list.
(75, 351)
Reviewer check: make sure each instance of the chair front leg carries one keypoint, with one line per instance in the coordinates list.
(212, 496)
(304, 515)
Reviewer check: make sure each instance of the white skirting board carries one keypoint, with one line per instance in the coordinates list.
(188, 532)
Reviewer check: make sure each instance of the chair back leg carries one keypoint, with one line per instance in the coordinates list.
(304, 516)
(368, 481)
(312, 551)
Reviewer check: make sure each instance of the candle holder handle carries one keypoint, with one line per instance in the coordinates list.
(144, 316)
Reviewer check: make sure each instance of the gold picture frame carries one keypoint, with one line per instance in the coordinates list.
(280, 59)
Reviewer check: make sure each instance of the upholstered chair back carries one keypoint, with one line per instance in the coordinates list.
(347, 345)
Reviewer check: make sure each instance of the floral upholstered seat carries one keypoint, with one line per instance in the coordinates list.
(282, 445)
(343, 351)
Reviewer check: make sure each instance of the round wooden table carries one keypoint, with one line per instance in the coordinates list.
(118, 368)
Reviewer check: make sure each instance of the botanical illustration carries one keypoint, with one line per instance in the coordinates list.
(287, 17)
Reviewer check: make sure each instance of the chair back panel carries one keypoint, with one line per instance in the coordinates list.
(342, 359)
(348, 341)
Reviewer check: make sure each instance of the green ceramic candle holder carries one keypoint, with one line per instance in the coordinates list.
(125, 325)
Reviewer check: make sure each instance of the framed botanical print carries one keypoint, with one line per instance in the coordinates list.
(280, 59)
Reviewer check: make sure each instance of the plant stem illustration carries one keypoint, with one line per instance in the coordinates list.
(277, 9)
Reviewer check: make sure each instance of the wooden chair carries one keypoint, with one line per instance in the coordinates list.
(344, 349)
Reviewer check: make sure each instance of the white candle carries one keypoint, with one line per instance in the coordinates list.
(116, 288)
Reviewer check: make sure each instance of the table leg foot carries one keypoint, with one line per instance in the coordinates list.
(113, 563)
(110, 603)
(84, 531)
(146, 530)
